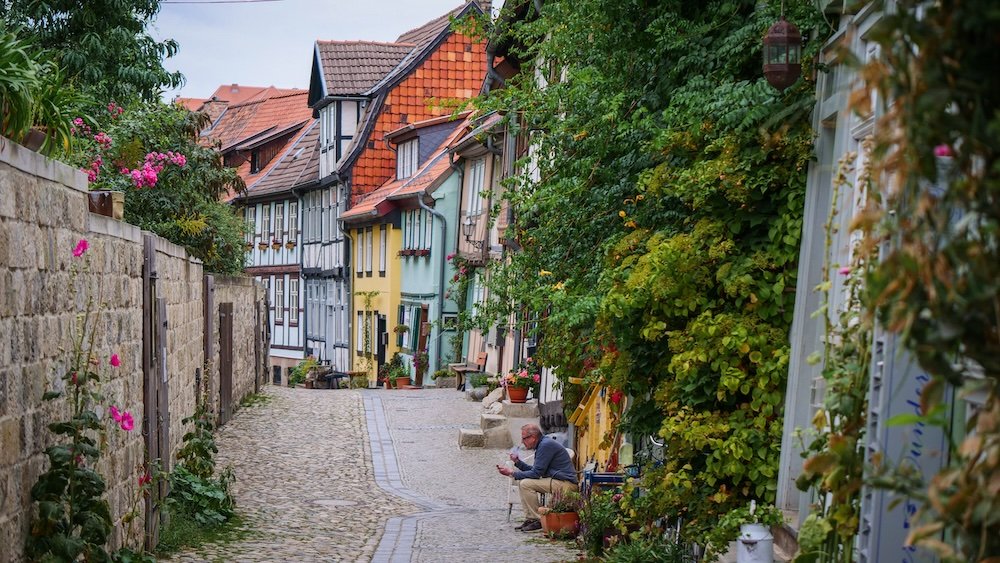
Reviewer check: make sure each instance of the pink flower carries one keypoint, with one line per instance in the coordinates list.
(91, 176)
(127, 423)
(846, 270)
(103, 139)
(449, 257)
(78, 121)
(81, 247)
(145, 478)
(536, 378)
(943, 150)
(115, 413)
(115, 360)
(73, 377)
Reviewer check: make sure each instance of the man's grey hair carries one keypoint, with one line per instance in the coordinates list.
(532, 430)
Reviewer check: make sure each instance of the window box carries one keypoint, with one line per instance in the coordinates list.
(276, 244)
(423, 252)
(290, 244)
(262, 245)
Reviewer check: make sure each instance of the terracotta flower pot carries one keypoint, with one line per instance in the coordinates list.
(517, 394)
(401, 381)
(560, 522)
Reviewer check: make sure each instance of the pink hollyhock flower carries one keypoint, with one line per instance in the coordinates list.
(115, 360)
(145, 478)
(91, 176)
(115, 413)
(81, 247)
(846, 270)
(78, 121)
(103, 139)
(943, 150)
(127, 423)
(449, 257)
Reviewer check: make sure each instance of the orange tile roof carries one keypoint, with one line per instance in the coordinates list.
(452, 72)
(245, 120)
(190, 104)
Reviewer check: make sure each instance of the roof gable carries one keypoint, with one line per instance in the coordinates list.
(351, 68)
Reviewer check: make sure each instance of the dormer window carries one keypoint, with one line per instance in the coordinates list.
(254, 162)
(407, 159)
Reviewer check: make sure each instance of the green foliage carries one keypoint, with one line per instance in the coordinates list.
(35, 93)
(598, 516)
(103, 45)
(565, 502)
(662, 237)
(297, 374)
(182, 530)
(206, 500)
(255, 399)
(477, 379)
(197, 454)
(184, 204)
(648, 548)
(441, 373)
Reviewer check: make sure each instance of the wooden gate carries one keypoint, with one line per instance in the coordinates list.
(156, 416)
(225, 362)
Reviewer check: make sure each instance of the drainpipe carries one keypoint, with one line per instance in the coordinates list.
(436, 360)
(347, 294)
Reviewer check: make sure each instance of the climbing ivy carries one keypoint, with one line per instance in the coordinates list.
(661, 239)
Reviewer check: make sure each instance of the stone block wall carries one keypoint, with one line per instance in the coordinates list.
(246, 296)
(43, 213)
(43, 288)
(180, 282)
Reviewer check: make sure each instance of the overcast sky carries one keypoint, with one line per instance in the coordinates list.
(265, 43)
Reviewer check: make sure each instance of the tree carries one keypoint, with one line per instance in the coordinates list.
(102, 44)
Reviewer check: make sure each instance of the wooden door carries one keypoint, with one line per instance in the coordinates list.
(225, 362)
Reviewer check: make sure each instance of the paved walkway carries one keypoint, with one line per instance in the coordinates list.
(367, 476)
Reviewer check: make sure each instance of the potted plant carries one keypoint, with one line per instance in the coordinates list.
(400, 376)
(562, 517)
(518, 381)
(443, 378)
(400, 329)
(275, 244)
(750, 527)
(290, 244)
(424, 252)
(476, 386)
(421, 361)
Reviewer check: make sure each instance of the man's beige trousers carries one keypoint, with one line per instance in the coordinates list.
(531, 487)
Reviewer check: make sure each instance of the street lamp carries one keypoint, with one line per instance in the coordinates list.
(782, 54)
(468, 228)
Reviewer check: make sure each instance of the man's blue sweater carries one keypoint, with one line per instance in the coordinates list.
(551, 460)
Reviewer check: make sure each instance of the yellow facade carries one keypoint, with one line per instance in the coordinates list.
(596, 420)
(375, 286)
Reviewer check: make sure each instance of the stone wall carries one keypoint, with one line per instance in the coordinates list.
(43, 288)
(247, 298)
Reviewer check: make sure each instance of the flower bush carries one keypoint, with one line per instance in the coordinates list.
(527, 375)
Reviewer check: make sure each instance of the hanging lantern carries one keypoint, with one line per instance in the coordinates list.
(782, 54)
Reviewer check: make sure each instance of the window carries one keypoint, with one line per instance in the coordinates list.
(265, 222)
(368, 250)
(477, 176)
(417, 229)
(279, 300)
(251, 223)
(415, 327)
(293, 220)
(254, 162)
(293, 301)
(382, 249)
(358, 251)
(406, 159)
(400, 320)
(428, 231)
(279, 219)
(360, 332)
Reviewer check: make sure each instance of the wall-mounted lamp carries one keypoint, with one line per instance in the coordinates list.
(468, 228)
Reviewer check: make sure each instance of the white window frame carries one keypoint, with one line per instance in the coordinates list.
(369, 244)
(251, 217)
(359, 265)
(407, 157)
(279, 219)
(477, 177)
(293, 301)
(265, 222)
(428, 229)
(279, 300)
(360, 332)
(383, 237)
(293, 220)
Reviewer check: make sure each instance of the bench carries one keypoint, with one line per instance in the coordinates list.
(464, 368)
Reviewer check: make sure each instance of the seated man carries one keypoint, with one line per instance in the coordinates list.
(552, 472)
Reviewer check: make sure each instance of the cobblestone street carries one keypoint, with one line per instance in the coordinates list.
(367, 476)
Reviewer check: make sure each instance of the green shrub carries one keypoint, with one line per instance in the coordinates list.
(297, 374)
(648, 549)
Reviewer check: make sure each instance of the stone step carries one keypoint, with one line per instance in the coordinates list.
(498, 438)
(520, 410)
(471, 438)
(487, 421)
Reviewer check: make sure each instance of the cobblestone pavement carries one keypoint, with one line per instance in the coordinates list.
(368, 476)
(464, 516)
(304, 481)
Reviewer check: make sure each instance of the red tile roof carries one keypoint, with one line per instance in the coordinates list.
(353, 67)
(421, 36)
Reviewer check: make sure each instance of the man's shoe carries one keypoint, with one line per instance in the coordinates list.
(525, 523)
(532, 526)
